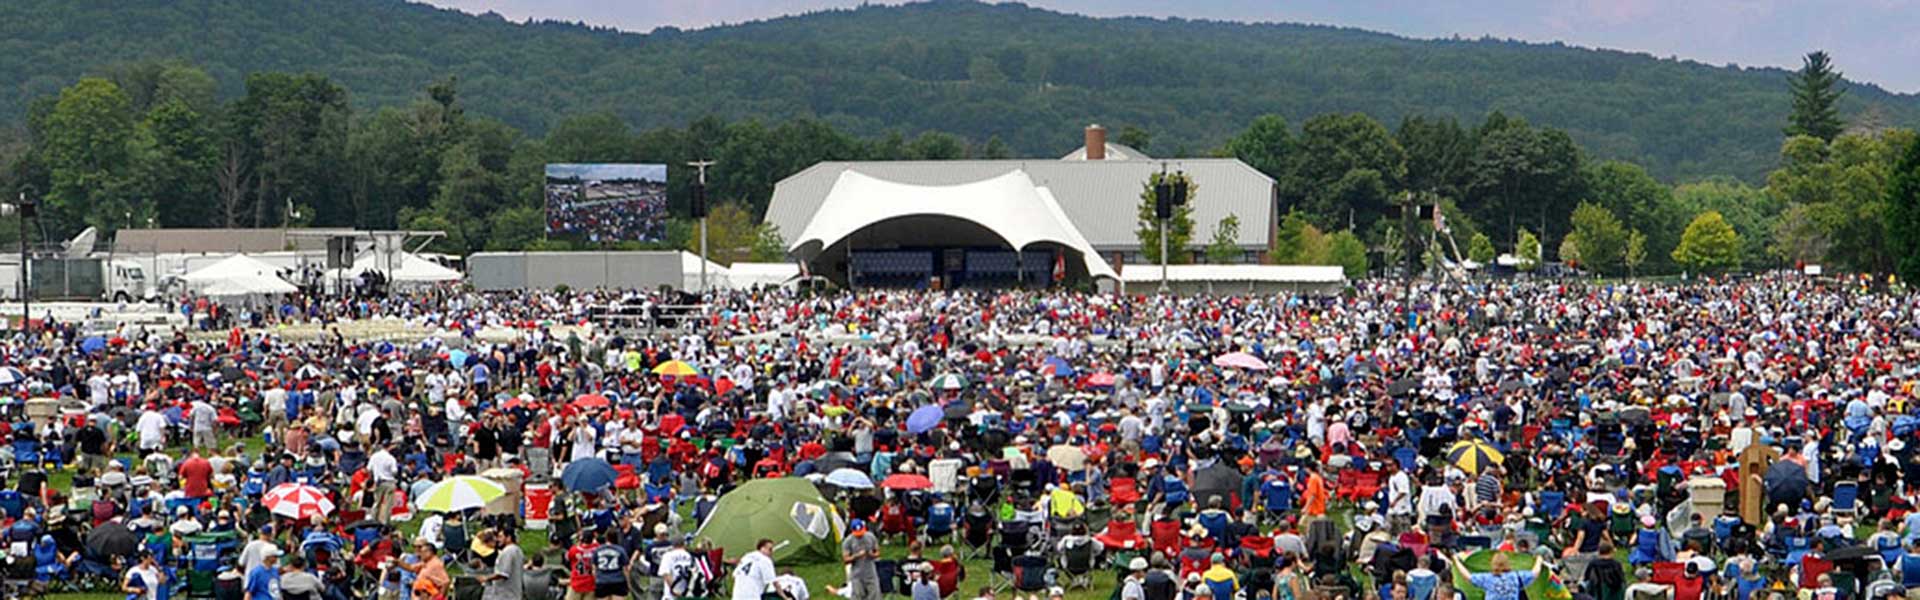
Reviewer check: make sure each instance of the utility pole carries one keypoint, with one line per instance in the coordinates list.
(1162, 209)
(24, 209)
(700, 212)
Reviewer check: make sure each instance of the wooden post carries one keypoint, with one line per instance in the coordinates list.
(1754, 462)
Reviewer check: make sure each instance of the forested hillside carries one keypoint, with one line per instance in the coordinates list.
(1027, 76)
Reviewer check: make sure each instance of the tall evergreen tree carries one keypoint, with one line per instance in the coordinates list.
(1816, 98)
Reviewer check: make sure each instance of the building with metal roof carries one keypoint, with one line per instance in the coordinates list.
(1098, 191)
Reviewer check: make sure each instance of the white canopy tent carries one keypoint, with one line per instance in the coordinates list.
(237, 276)
(743, 275)
(1010, 206)
(400, 267)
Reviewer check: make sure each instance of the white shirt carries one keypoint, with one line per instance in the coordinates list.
(793, 585)
(254, 555)
(672, 564)
(751, 578)
(1400, 494)
(150, 576)
(153, 429)
(382, 467)
(99, 389)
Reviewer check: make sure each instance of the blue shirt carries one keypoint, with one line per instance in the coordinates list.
(263, 583)
(1506, 586)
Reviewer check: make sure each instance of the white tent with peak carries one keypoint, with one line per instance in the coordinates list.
(237, 275)
(400, 267)
(1009, 206)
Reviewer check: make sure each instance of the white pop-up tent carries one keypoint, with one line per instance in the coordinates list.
(400, 267)
(1010, 206)
(237, 275)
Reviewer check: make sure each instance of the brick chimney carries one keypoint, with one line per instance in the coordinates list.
(1096, 142)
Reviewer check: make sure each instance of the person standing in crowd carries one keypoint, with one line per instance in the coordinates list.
(859, 550)
(580, 571)
(507, 581)
(753, 577)
(297, 583)
(430, 578)
(145, 580)
(263, 580)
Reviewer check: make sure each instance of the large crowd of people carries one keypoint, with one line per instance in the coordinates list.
(1436, 441)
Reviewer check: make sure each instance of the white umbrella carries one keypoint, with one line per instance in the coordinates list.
(460, 493)
(11, 376)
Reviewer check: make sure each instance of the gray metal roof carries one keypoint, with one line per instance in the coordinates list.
(1101, 197)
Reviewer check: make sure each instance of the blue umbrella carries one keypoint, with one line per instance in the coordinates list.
(457, 358)
(851, 479)
(588, 475)
(1058, 366)
(93, 344)
(925, 418)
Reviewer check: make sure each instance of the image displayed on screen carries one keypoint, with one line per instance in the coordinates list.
(607, 202)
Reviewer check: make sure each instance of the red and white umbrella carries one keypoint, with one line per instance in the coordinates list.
(297, 501)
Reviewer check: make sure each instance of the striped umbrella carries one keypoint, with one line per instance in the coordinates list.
(297, 501)
(460, 493)
(1472, 455)
(949, 381)
(675, 368)
(11, 376)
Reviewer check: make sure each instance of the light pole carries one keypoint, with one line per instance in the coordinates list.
(700, 212)
(24, 209)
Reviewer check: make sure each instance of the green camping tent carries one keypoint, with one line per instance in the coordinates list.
(1545, 586)
(804, 527)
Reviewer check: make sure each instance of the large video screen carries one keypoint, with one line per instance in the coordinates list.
(607, 202)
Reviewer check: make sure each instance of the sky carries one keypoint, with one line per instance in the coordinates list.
(1876, 41)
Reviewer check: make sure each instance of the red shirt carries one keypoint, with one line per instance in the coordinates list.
(580, 568)
(195, 474)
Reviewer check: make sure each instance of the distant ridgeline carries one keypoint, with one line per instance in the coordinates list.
(980, 71)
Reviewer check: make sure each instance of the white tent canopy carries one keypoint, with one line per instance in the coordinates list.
(1010, 205)
(743, 275)
(237, 275)
(402, 267)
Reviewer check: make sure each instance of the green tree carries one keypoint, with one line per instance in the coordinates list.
(1134, 137)
(768, 245)
(1601, 241)
(1521, 174)
(934, 145)
(1295, 241)
(1570, 251)
(1266, 145)
(516, 228)
(1527, 250)
(1708, 245)
(176, 157)
(88, 149)
(1636, 253)
(1439, 153)
(1179, 228)
(1480, 249)
(1835, 199)
(732, 234)
(1816, 98)
(995, 149)
(1639, 201)
(1903, 215)
(1225, 249)
(1751, 211)
(1346, 250)
(1345, 169)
